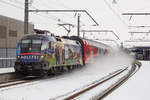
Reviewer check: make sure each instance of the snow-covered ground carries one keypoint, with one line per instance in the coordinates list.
(136, 88)
(7, 70)
(64, 84)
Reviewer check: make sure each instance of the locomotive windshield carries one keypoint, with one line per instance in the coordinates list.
(33, 46)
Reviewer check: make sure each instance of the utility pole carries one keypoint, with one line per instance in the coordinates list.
(78, 29)
(83, 34)
(26, 16)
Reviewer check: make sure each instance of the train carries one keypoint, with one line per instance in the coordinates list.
(44, 54)
(141, 52)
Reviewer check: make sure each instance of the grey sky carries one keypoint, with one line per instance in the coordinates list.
(105, 12)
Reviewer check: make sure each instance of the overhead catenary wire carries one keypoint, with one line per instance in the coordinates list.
(12, 4)
(61, 5)
(82, 11)
(50, 17)
(114, 12)
(20, 5)
(47, 6)
(17, 1)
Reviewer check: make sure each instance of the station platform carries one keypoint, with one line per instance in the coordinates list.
(136, 88)
(7, 70)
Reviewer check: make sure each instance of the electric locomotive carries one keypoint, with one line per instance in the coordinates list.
(41, 54)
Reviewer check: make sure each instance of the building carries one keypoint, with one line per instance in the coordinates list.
(11, 30)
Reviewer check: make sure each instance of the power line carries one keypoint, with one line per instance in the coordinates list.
(140, 13)
(16, 6)
(50, 7)
(114, 12)
(62, 4)
(84, 11)
(52, 18)
(102, 31)
(56, 3)
(139, 26)
(16, 1)
(13, 5)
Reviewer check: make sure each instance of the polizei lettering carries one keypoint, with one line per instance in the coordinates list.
(30, 57)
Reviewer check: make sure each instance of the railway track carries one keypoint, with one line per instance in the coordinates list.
(7, 77)
(77, 94)
(17, 81)
(73, 95)
(12, 83)
(21, 79)
(134, 69)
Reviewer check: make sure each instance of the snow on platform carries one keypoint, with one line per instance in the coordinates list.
(136, 88)
(6, 70)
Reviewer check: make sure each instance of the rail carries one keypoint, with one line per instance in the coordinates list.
(125, 74)
(135, 67)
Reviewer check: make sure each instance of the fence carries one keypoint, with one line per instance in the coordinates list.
(7, 57)
(7, 62)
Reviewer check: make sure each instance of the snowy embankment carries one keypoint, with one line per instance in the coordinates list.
(136, 88)
(59, 86)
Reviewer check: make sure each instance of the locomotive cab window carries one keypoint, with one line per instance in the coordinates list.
(30, 46)
(36, 45)
(26, 41)
(25, 44)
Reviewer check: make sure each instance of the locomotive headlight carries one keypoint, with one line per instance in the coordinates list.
(18, 57)
(42, 57)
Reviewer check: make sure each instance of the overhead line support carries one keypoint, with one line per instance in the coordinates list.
(66, 11)
(101, 31)
(135, 14)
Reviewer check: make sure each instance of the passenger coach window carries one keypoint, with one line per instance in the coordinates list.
(99, 51)
(88, 51)
(50, 45)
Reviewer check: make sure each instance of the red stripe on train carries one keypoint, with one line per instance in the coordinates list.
(30, 54)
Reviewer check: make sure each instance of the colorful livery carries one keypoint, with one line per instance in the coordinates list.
(41, 54)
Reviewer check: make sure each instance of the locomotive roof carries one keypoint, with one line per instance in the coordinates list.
(40, 36)
(67, 41)
(95, 42)
(72, 42)
(89, 42)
